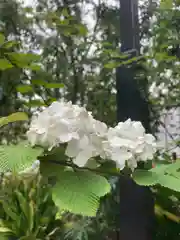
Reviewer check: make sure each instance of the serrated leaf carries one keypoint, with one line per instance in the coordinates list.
(145, 178)
(14, 117)
(54, 85)
(170, 182)
(79, 191)
(160, 169)
(165, 175)
(24, 88)
(16, 158)
(174, 168)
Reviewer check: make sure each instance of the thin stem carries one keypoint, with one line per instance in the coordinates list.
(68, 164)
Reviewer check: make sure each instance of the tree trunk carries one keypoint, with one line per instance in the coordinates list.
(136, 202)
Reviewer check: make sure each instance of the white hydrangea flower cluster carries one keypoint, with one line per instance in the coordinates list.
(86, 137)
(128, 143)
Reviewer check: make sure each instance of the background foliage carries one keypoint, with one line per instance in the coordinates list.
(70, 49)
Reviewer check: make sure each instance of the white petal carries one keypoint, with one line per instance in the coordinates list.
(84, 142)
(132, 163)
(120, 155)
(82, 158)
(64, 138)
(122, 142)
(32, 137)
(149, 138)
(72, 149)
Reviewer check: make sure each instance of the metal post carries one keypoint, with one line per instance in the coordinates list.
(136, 202)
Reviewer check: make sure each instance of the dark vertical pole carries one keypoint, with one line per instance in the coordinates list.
(136, 202)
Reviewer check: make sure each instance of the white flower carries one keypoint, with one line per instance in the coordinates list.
(59, 123)
(86, 138)
(117, 154)
(89, 145)
(165, 91)
(154, 90)
(128, 143)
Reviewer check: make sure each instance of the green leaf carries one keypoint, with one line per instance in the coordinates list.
(108, 168)
(82, 30)
(23, 59)
(92, 164)
(22, 201)
(38, 82)
(79, 191)
(31, 214)
(51, 100)
(170, 182)
(52, 162)
(10, 211)
(50, 170)
(35, 103)
(170, 169)
(16, 158)
(145, 178)
(5, 64)
(164, 175)
(14, 117)
(4, 237)
(56, 154)
(160, 168)
(28, 238)
(111, 65)
(24, 88)
(54, 85)
(28, 9)
(34, 67)
(2, 39)
(173, 169)
(5, 230)
(10, 44)
(18, 116)
(166, 4)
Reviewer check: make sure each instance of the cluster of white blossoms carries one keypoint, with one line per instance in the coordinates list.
(128, 143)
(85, 137)
(157, 90)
